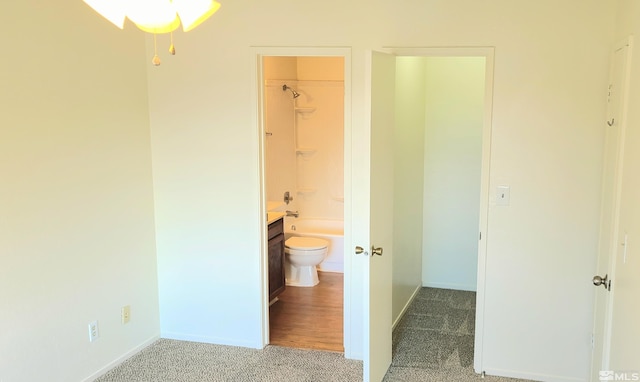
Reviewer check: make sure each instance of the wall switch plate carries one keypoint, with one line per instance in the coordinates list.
(503, 195)
(125, 314)
(94, 333)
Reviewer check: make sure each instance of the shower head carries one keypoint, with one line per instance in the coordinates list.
(295, 93)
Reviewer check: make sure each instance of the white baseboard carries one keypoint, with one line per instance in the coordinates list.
(210, 340)
(353, 356)
(406, 306)
(121, 359)
(467, 287)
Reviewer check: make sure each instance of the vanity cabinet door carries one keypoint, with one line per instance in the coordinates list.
(276, 260)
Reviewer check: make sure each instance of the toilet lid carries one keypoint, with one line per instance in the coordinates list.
(305, 243)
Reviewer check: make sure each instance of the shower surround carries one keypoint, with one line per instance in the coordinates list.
(305, 148)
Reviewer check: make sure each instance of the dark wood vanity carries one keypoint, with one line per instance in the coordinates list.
(276, 258)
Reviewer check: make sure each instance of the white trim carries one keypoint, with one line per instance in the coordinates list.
(488, 53)
(257, 100)
(210, 340)
(105, 369)
(466, 287)
(484, 210)
(404, 309)
(604, 362)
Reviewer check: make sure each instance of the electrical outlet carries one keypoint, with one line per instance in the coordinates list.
(125, 314)
(94, 333)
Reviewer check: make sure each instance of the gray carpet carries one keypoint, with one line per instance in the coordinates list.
(433, 342)
(181, 361)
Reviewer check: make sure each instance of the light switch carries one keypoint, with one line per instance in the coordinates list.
(502, 195)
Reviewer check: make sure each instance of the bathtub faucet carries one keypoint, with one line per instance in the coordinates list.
(295, 214)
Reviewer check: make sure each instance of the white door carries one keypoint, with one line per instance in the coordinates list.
(377, 305)
(610, 211)
(624, 350)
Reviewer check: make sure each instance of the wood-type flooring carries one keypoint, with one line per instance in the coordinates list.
(310, 317)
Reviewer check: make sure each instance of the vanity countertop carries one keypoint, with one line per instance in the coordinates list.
(274, 216)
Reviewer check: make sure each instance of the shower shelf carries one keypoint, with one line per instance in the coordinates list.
(306, 190)
(304, 109)
(305, 150)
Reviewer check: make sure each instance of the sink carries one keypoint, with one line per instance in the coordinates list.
(274, 205)
(273, 216)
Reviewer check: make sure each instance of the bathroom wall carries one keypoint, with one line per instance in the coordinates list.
(320, 149)
(305, 151)
(452, 163)
(280, 156)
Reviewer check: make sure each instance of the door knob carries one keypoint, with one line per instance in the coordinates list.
(376, 251)
(360, 250)
(604, 281)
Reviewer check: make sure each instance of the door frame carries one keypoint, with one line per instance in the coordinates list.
(257, 99)
(489, 54)
(601, 336)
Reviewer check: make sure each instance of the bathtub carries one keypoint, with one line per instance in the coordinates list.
(330, 230)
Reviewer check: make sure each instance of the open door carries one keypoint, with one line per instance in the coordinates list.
(610, 241)
(377, 288)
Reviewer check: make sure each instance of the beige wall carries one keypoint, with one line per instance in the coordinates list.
(304, 68)
(76, 202)
(551, 68)
(408, 182)
(455, 99)
(68, 238)
(280, 68)
(321, 68)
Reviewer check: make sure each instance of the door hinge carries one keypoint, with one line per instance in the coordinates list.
(480, 236)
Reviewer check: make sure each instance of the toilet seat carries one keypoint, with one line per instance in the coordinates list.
(305, 243)
(302, 255)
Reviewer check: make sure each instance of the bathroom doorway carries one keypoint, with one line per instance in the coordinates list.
(355, 142)
(303, 160)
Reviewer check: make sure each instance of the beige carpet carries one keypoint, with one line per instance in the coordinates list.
(433, 342)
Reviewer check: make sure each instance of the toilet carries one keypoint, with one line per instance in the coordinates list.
(302, 254)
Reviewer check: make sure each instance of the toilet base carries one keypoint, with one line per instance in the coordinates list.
(301, 276)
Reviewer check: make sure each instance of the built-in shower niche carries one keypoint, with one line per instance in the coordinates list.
(305, 152)
(319, 131)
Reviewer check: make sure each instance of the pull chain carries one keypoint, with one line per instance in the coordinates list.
(172, 49)
(156, 59)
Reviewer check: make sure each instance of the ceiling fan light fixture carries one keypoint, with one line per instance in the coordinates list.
(194, 12)
(156, 16)
(112, 10)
